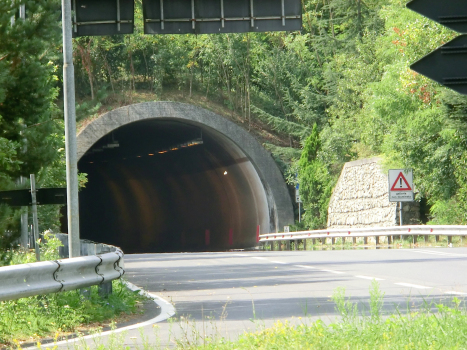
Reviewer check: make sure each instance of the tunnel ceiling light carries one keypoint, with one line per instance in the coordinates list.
(195, 142)
(113, 144)
(225, 172)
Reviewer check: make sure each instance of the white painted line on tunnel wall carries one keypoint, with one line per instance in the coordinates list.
(370, 278)
(412, 285)
(167, 311)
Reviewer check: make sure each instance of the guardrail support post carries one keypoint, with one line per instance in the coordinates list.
(105, 289)
(287, 245)
(304, 244)
(449, 239)
(295, 245)
(376, 240)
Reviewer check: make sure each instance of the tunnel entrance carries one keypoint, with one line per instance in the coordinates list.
(173, 177)
(162, 185)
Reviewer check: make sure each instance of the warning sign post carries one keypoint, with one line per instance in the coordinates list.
(400, 185)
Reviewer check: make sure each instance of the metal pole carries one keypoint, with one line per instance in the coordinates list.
(400, 213)
(35, 224)
(70, 132)
(24, 222)
(299, 212)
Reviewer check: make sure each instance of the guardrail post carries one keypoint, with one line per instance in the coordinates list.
(295, 244)
(304, 244)
(287, 245)
(365, 241)
(376, 240)
(449, 239)
(332, 243)
(104, 289)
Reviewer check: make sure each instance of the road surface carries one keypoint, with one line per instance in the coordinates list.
(228, 293)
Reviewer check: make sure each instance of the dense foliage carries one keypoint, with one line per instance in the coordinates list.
(347, 72)
(30, 135)
(340, 89)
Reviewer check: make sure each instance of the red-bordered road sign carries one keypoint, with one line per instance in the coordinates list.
(400, 185)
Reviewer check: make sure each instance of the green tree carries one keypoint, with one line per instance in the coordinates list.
(27, 96)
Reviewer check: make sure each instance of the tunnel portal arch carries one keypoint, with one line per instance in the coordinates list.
(253, 193)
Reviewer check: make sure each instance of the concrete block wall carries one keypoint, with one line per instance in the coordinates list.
(360, 198)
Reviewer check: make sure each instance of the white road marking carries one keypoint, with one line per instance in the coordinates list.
(455, 293)
(305, 266)
(333, 271)
(412, 285)
(278, 262)
(167, 311)
(370, 278)
(437, 253)
(257, 257)
(241, 255)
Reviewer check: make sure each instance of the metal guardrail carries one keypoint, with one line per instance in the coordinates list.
(409, 230)
(19, 281)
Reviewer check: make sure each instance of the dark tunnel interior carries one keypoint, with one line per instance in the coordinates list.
(169, 186)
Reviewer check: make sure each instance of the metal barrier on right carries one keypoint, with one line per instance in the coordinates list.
(354, 233)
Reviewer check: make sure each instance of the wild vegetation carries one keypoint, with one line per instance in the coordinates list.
(357, 326)
(338, 90)
(30, 319)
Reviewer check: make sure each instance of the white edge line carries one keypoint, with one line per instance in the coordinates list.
(412, 285)
(259, 258)
(305, 267)
(167, 311)
(370, 278)
(438, 253)
(455, 293)
(278, 262)
(332, 271)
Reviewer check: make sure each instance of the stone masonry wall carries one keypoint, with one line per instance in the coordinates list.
(360, 199)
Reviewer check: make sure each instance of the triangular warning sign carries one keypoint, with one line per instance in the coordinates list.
(401, 184)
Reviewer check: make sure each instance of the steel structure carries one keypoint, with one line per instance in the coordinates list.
(412, 230)
(19, 281)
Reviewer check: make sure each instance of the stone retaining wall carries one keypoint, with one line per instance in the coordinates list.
(360, 199)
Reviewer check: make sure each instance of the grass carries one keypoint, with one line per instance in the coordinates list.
(29, 319)
(356, 329)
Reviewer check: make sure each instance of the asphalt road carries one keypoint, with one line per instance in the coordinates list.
(228, 293)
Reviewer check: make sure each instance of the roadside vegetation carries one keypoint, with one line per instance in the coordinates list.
(338, 90)
(59, 314)
(357, 326)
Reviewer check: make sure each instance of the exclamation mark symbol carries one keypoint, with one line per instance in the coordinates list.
(400, 182)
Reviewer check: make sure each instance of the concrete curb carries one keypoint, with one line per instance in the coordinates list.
(167, 311)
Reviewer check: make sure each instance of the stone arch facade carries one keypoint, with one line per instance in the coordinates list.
(277, 194)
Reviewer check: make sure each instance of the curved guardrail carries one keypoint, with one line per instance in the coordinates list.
(409, 230)
(19, 281)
